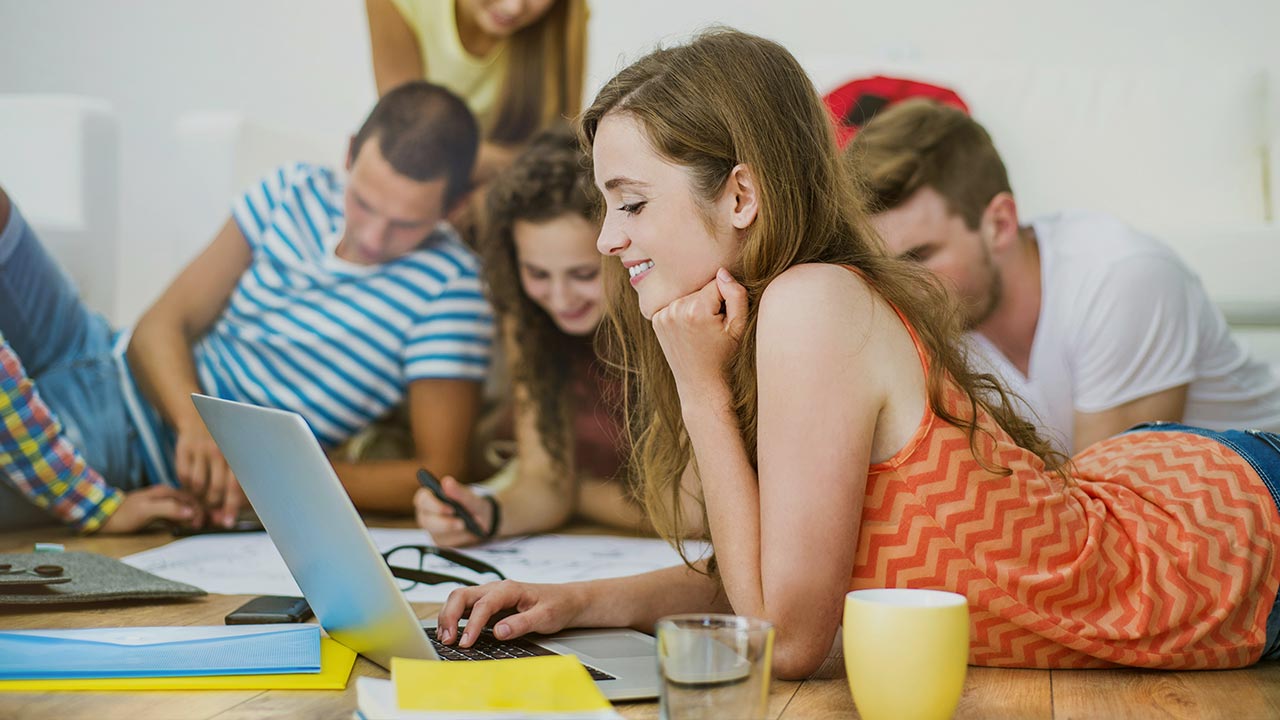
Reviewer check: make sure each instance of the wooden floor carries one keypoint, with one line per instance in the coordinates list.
(1248, 694)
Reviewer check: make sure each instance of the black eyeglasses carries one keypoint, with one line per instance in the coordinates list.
(408, 563)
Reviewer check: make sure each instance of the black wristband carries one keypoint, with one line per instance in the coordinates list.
(497, 517)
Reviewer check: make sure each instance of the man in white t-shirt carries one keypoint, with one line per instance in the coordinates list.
(1094, 325)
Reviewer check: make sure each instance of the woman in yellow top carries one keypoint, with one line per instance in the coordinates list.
(518, 64)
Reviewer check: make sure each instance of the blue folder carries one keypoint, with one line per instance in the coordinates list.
(159, 651)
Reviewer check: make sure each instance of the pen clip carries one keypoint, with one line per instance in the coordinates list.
(429, 481)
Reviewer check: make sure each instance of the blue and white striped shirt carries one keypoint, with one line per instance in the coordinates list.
(336, 342)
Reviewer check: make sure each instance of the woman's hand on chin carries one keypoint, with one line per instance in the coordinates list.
(700, 331)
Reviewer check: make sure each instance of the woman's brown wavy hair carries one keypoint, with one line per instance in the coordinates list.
(545, 72)
(547, 181)
(730, 98)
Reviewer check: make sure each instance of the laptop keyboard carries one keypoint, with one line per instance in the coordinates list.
(487, 647)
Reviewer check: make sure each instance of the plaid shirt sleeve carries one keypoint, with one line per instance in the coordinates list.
(40, 461)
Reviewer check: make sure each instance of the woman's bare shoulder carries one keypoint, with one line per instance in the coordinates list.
(820, 292)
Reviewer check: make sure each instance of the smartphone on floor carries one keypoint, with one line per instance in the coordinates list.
(270, 609)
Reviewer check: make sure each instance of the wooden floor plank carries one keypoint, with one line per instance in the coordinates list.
(824, 695)
(1246, 694)
(1004, 693)
(1267, 676)
(173, 705)
(780, 695)
(988, 693)
(294, 704)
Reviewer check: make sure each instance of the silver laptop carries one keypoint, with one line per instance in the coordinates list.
(322, 539)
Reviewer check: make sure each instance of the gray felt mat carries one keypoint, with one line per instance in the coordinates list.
(93, 578)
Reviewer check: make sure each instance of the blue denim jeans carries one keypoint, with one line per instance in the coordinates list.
(1262, 451)
(66, 350)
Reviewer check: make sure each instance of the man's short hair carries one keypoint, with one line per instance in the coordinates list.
(425, 132)
(922, 143)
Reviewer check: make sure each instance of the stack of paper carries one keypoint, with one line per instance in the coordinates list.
(553, 687)
(159, 651)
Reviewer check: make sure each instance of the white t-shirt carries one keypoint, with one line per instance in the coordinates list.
(1121, 317)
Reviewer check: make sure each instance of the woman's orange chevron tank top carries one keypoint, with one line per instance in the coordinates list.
(1161, 553)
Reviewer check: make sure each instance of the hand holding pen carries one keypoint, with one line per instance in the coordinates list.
(452, 513)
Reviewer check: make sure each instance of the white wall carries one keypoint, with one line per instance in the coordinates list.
(306, 64)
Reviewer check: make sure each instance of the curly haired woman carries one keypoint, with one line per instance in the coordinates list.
(543, 273)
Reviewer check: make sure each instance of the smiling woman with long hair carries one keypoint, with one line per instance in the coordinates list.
(810, 393)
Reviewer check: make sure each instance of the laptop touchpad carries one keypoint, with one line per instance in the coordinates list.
(607, 646)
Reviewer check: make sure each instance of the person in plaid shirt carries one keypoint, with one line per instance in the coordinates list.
(44, 465)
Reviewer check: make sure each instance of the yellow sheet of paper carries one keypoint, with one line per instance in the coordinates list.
(548, 684)
(335, 667)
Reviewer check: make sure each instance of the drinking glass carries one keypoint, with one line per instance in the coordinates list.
(714, 667)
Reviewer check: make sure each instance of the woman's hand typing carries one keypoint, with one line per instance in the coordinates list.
(536, 608)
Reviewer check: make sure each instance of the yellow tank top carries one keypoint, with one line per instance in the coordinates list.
(477, 80)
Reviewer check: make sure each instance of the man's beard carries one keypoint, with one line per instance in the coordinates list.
(986, 305)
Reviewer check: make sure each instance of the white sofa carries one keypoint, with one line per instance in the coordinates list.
(222, 153)
(1188, 153)
(59, 162)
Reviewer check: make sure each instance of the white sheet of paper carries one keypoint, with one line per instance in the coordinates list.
(249, 564)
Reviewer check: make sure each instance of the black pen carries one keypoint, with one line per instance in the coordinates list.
(429, 481)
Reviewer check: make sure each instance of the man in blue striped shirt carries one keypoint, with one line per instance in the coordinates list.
(338, 298)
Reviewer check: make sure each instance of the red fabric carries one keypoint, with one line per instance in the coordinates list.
(599, 445)
(877, 91)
